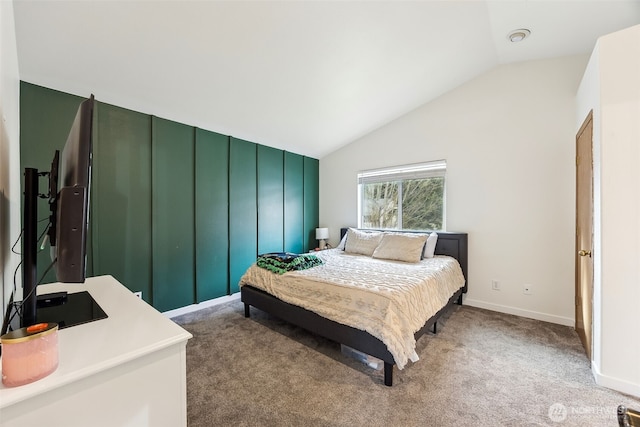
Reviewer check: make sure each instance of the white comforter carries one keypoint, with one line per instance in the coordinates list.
(390, 300)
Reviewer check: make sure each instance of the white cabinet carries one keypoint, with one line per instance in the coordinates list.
(126, 370)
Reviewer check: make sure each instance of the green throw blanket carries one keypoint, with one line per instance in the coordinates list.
(281, 262)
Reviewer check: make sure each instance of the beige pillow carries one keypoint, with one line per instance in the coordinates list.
(430, 247)
(362, 242)
(401, 247)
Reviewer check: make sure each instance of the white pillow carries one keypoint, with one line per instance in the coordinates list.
(342, 242)
(430, 247)
(401, 247)
(362, 242)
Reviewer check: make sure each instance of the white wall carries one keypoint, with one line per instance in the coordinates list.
(611, 87)
(509, 140)
(9, 150)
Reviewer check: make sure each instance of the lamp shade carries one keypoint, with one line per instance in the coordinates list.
(322, 233)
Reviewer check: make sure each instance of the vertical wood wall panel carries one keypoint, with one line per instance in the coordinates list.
(121, 197)
(293, 203)
(212, 215)
(173, 214)
(176, 212)
(311, 206)
(243, 215)
(270, 199)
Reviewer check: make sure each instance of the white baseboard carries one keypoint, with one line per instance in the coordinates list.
(566, 321)
(205, 304)
(614, 383)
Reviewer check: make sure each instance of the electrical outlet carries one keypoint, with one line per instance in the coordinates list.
(495, 285)
(138, 294)
(527, 289)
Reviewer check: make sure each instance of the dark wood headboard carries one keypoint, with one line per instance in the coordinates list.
(450, 244)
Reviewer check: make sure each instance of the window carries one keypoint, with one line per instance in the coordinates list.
(408, 197)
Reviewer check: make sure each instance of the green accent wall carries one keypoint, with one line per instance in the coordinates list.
(120, 214)
(270, 200)
(243, 209)
(212, 215)
(177, 212)
(293, 203)
(172, 214)
(310, 201)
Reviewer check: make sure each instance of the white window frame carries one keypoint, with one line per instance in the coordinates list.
(432, 169)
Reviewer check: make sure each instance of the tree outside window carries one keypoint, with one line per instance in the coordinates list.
(408, 197)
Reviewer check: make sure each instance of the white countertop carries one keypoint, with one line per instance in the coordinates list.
(133, 329)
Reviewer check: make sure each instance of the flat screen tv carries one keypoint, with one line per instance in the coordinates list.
(70, 207)
(69, 188)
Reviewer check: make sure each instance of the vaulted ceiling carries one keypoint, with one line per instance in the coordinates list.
(303, 76)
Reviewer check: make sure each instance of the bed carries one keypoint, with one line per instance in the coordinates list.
(450, 249)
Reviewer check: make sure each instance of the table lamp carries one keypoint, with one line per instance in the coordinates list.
(322, 234)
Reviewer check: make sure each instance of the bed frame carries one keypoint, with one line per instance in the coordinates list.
(451, 244)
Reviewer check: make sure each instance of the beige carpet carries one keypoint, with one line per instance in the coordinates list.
(482, 369)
